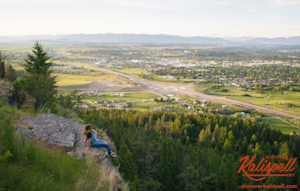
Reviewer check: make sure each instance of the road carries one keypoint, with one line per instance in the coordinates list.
(183, 90)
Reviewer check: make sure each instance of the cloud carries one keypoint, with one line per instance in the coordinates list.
(284, 2)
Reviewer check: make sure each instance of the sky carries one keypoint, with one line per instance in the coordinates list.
(213, 18)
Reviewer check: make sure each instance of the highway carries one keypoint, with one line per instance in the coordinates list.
(183, 90)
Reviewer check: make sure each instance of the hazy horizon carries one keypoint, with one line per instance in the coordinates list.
(223, 37)
(215, 18)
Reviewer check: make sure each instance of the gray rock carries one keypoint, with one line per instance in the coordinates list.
(65, 132)
(53, 129)
(61, 131)
(11, 95)
(25, 131)
(78, 155)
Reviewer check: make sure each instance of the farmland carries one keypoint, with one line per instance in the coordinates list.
(277, 124)
(253, 97)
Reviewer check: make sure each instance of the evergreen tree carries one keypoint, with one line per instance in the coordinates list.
(39, 83)
(10, 73)
(188, 179)
(167, 164)
(38, 62)
(284, 151)
(127, 166)
(2, 68)
(230, 175)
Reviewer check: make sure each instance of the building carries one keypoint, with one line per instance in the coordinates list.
(97, 102)
(106, 102)
(294, 134)
(87, 106)
(169, 77)
(190, 107)
(167, 108)
(120, 101)
(114, 101)
(156, 109)
(183, 105)
(121, 95)
(224, 106)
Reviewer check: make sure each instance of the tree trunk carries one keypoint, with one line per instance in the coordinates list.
(2, 70)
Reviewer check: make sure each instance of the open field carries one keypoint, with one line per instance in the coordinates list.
(255, 98)
(127, 97)
(277, 124)
(294, 109)
(69, 80)
(135, 72)
(150, 105)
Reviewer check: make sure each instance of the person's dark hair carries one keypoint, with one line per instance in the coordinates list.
(88, 127)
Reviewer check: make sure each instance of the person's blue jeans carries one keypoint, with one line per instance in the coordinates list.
(103, 144)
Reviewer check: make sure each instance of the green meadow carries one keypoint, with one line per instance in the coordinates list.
(256, 98)
(277, 124)
(145, 106)
(127, 97)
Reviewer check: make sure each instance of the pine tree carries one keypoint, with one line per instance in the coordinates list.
(39, 83)
(127, 166)
(284, 151)
(216, 133)
(158, 124)
(202, 137)
(2, 68)
(38, 62)
(227, 147)
(188, 180)
(230, 175)
(167, 164)
(10, 73)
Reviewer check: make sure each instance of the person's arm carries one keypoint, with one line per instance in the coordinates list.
(88, 144)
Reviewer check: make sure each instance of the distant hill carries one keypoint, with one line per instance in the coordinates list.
(145, 38)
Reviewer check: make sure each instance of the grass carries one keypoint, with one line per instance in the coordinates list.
(145, 106)
(256, 98)
(135, 72)
(277, 124)
(64, 80)
(33, 167)
(294, 109)
(127, 97)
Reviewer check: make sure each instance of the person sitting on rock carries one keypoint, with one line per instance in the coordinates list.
(94, 142)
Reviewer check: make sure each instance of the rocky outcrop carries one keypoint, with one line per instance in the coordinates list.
(53, 129)
(65, 132)
(61, 131)
(11, 95)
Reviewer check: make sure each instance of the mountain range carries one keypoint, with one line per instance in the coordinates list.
(148, 39)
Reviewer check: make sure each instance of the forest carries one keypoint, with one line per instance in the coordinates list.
(177, 151)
